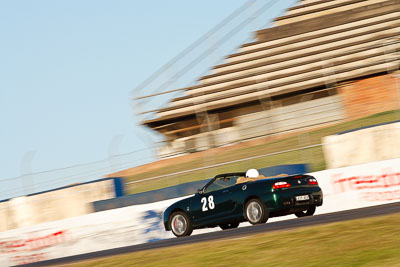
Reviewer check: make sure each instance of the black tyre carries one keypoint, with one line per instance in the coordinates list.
(308, 212)
(226, 226)
(180, 224)
(255, 211)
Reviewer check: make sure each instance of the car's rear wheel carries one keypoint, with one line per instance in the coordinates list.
(308, 212)
(180, 224)
(226, 226)
(255, 211)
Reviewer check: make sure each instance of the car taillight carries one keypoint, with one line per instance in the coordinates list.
(278, 185)
(312, 181)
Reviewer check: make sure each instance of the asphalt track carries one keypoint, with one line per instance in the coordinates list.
(234, 233)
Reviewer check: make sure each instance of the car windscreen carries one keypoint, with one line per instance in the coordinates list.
(221, 183)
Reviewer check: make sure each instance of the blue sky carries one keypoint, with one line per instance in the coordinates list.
(67, 69)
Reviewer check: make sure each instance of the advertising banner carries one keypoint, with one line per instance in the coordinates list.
(360, 186)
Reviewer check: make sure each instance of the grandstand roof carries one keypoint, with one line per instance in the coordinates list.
(315, 42)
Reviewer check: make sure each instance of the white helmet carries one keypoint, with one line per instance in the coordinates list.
(252, 173)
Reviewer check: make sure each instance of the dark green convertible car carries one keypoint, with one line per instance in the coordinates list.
(232, 198)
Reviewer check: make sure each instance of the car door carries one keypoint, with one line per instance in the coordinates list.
(213, 204)
(239, 193)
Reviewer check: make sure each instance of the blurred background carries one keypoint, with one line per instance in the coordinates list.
(113, 110)
(158, 94)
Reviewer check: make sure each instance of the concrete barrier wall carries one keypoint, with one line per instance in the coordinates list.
(5, 216)
(363, 145)
(83, 234)
(56, 204)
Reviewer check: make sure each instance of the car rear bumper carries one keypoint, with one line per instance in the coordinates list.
(299, 199)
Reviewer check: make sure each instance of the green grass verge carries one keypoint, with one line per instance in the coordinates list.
(366, 242)
(313, 156)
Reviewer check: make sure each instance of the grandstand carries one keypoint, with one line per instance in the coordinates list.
(322, 62)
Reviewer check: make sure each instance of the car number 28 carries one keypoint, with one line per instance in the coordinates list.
(210, 205)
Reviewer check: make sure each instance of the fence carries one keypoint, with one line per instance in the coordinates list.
(303, 147)
(30, 183)
(269, 123)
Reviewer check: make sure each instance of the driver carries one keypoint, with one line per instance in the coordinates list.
(252, 173)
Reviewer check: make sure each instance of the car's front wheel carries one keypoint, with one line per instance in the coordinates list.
(308, 212)
(255, 211)
(226, 226)
(180, 224)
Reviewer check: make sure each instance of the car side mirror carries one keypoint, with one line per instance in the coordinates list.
(200, 191)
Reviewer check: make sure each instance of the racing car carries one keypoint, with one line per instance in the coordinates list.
(231, 198)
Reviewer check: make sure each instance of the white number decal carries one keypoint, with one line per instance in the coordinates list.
(211, 203)
(204, 201)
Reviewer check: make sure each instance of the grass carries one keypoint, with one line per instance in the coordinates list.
(313, 156)
(366, 242)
